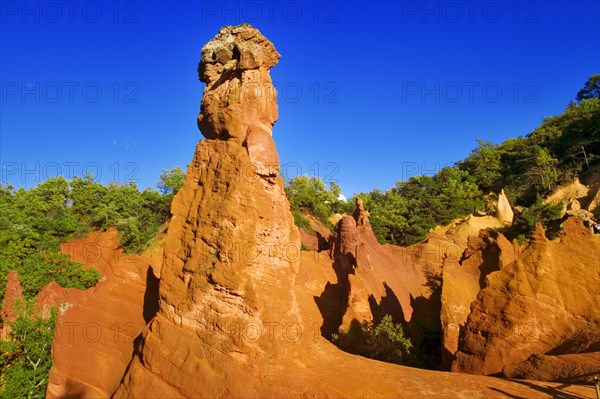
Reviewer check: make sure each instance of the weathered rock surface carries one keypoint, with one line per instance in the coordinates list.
(462, 280)
(575, 195)
(232, 249)
(536, 304)
(569, 195)
(319, 239)
(239, 101)
(594, 203)
(97, 329)
(457, 233)
(504, 211)
(13, 292)
(575, 368)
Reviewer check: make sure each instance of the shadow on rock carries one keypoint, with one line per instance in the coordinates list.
(150, 296)
(333, 302)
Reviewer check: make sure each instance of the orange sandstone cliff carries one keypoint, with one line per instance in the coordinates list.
(546, 300)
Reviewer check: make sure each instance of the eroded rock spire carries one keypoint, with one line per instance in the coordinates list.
(239, 103)
(232, 250)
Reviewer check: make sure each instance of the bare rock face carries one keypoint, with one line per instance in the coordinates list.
(574, 368)
(537, 304)
(594, 204)
(96, 329)
(239, 102)
(374, 280)
(320, 237)
(232, 250)
(462, 280)
(13, 292)
(504, 211)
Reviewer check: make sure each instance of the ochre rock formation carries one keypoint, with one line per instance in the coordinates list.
(504, 211)
(239, 102)
(574, 368)
(232, 250)
(575, 195)
(462, 280)
(13, 292)
(372, 280)
(96, 329)
(569, 195)
(541, 302)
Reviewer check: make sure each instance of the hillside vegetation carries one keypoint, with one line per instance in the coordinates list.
(527, 167)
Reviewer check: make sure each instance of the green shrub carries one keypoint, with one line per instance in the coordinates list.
(26, 358)
(524, 222)
(41, 268)
(385, 342)
(300, 221)
(309, 194)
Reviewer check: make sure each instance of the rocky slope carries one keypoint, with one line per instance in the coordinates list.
(544, 301)
(97, 329)
(320, 237)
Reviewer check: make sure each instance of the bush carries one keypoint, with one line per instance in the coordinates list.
(524, 222)
(39, 269)
(309, 194)
(26, 358)
(385, 342)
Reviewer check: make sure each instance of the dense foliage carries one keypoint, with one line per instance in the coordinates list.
(524, 222)
(404, 214)
(26, 359)
(309, 194)
(385, 341)
(528, 167)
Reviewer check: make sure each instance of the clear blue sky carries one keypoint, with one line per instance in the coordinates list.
(369, 92)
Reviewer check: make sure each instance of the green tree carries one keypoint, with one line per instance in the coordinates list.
(387, 215)
(591, 89)
(484, 164)
(524, 222)
(171, 180)
(385, 341)
(26, 358)
(458, 193)
(309, 194)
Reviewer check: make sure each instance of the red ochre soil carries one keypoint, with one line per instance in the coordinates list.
(97, 329)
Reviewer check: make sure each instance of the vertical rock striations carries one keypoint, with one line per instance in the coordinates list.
(13, 293)
(232, 250)
(546, 301)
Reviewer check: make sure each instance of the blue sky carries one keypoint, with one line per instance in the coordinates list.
(370, 93)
